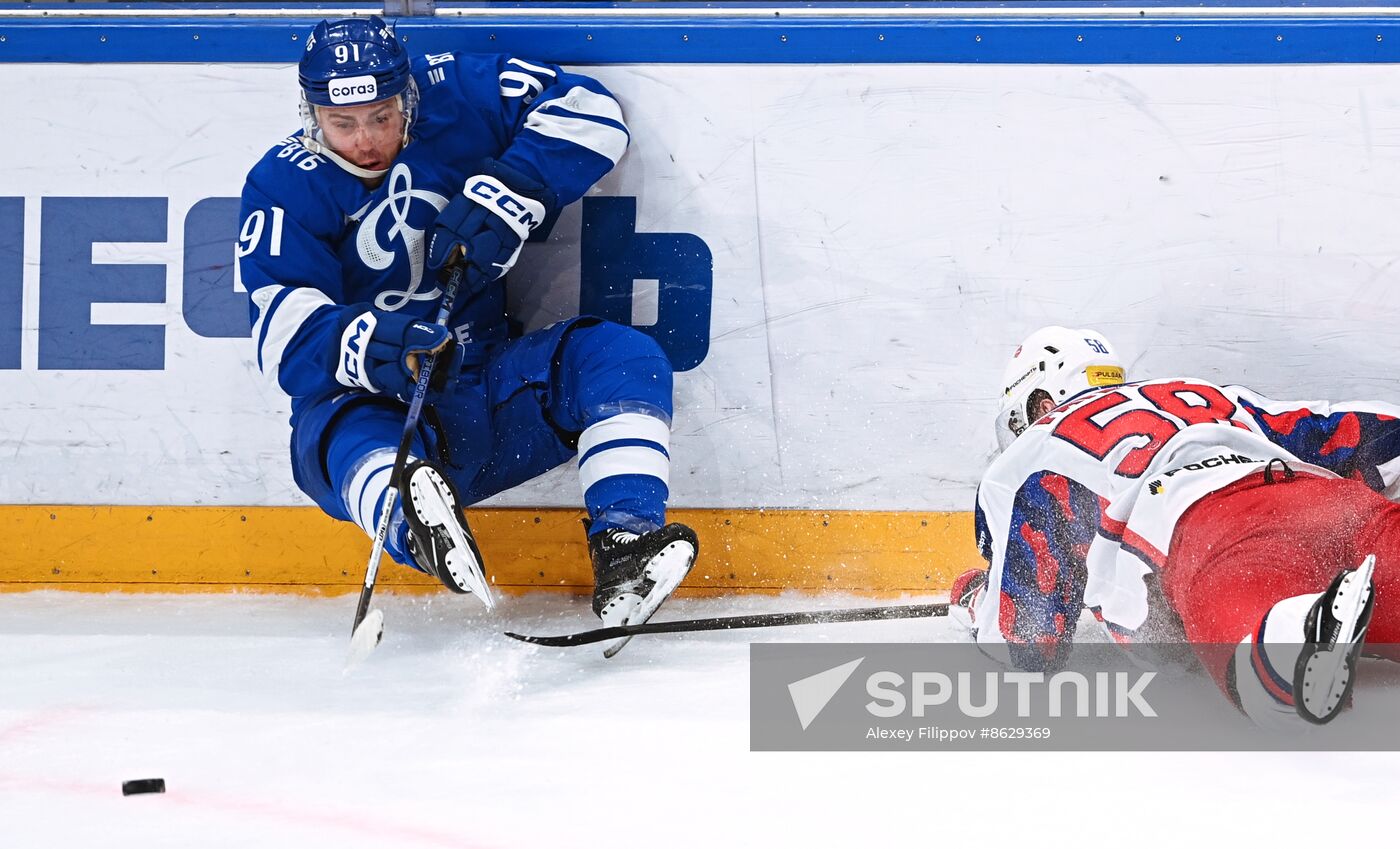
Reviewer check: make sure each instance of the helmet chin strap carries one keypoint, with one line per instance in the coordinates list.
(317, 146)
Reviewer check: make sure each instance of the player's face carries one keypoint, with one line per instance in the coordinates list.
(369, 135)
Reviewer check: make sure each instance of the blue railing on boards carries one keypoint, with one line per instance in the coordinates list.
(1241, 32)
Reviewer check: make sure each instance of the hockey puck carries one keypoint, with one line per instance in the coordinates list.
(143, 785)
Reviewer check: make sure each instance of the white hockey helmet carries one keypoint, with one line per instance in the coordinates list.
(1056, 363)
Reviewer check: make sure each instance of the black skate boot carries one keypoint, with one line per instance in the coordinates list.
(439, 540)
(634, 573)
(1334, 630)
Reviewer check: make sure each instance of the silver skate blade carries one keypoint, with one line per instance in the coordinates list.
(476, 577)
(616, 646)
(480, 589)
(366, 637)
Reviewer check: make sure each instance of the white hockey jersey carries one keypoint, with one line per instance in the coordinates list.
(1082, 506)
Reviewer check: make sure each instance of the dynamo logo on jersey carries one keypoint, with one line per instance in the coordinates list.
(400, 204)
(659, 282)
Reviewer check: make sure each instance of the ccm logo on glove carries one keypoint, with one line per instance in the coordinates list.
(381, 351)
(523, 214)
(354, 346)
(490, 221)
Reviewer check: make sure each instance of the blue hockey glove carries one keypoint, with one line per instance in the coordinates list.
(380, 351)
(489, 220)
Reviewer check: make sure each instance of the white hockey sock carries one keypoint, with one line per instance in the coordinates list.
(1264, 663)
(613, 452)
(364, 490)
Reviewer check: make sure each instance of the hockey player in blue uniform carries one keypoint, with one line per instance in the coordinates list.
(400, 167)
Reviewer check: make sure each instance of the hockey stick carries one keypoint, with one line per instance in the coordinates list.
(729, 623)
(368, 628)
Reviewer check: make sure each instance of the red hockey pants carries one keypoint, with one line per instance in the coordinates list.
(1238, 551)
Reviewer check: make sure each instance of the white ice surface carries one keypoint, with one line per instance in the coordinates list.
(452, 736)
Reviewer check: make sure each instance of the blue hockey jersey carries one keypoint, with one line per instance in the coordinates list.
(317, 247)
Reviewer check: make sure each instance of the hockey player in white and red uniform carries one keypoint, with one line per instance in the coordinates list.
(1178, 505)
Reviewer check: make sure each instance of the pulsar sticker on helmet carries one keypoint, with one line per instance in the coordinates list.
(1104, 375)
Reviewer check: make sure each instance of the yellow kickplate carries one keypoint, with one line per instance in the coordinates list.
(299, 549)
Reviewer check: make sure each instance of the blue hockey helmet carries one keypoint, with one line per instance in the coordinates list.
(353, 61)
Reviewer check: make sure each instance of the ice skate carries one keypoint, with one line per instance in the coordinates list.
(1334, 630)
(634, 573)
(439, 540)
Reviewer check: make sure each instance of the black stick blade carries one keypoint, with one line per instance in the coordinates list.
(579, 639)
(729, 623)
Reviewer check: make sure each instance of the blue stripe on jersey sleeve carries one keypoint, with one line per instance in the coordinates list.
(556, 109)
(567, 164)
